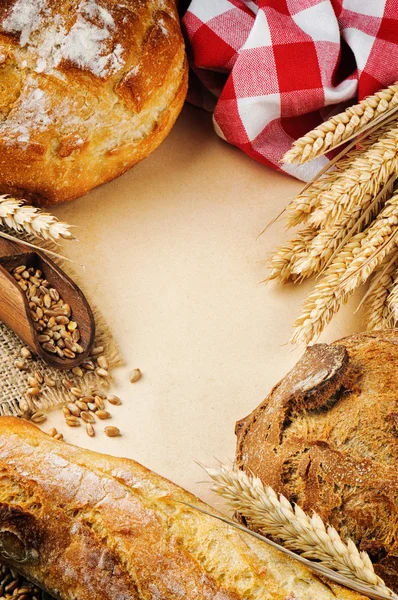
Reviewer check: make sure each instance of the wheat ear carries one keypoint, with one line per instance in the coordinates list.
(301, 207)
(356, 186)
(330, 240)
(19, 216)
(282, 262)
(380, 239)
(275, 516)
(377, 310)
(350, 267)
(326, 298)
(339, 128)
(392, 300)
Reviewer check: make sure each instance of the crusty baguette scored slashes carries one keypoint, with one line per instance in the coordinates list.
(87, 89)
(87, 526)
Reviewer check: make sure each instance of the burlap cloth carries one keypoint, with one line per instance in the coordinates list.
(13, 382)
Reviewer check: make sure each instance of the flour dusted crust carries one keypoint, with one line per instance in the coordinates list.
(327, 438)
(87, 89)
(84, 525)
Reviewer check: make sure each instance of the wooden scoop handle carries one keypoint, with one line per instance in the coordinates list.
(14, 307)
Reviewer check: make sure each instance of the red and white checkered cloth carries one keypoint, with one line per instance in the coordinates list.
(274, 69)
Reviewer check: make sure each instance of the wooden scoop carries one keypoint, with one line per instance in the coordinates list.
(14, 306)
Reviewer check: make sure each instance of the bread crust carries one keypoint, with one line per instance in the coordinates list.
(332, 446)
(84, 525)
(73, 119)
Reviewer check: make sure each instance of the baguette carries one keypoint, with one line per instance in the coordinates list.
(83, 525)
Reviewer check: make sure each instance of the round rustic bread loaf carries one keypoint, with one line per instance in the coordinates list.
(87, 89)
(327, 438)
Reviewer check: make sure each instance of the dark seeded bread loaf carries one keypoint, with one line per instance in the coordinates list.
(327, 437)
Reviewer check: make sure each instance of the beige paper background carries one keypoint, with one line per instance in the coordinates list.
(172, 258)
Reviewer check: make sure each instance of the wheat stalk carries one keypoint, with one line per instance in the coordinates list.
(282, 262)
(303, 208)
(368, 174)
(379, 240)
(392, 299)
(351, 267)
(343, 126)
(322, 249)
(19, 216)
(326, 298)
(275, 516)
(329, 241)
(378, 313)
(300, 208)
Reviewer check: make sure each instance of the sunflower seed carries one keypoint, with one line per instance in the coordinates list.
(112, 431)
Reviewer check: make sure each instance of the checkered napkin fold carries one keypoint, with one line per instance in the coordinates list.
(274, 69)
